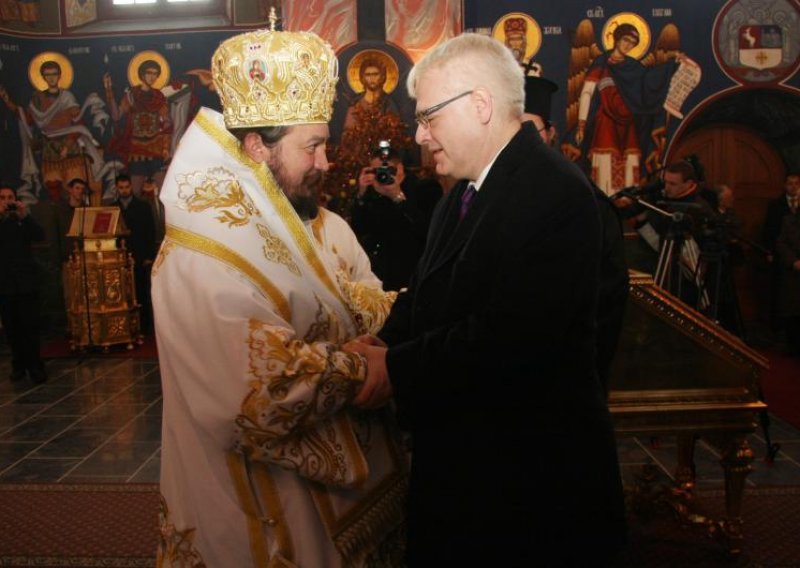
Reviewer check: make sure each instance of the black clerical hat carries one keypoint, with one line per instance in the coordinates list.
(538, 91)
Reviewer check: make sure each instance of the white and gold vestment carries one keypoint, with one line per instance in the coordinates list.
(263, 461)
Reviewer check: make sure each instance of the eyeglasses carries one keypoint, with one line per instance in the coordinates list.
(423, 117)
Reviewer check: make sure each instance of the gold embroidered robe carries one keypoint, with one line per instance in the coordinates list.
(263, 462)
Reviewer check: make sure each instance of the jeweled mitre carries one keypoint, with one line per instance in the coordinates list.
(267, 78)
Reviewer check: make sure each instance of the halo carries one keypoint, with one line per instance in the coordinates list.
(637, 22)
(533, 34)
(35, 77)
(392, 71)
(141, 57)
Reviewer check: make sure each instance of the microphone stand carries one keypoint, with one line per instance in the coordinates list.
(82, 240)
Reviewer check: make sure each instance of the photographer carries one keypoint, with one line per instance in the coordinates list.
(19, 286)
(391, 214)
(682, 227)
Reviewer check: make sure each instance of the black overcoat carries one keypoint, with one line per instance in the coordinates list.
(492, 361)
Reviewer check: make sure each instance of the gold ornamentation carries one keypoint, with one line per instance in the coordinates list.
(267, 78)
(270, 188)
(275, 250)
(175, 548)
(167, 247)
(118, 326)
(369, 305)
(289, 416)
(204, 245)
(219, 189)
(114, 286)
(325, 327)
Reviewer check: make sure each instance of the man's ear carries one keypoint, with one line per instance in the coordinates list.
(482, 99)
(255, 148)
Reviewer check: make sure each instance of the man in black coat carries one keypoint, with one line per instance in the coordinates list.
(490, 355)
(613, 268)
(777, 210)
(19, 286)
(390, 217)
(141, 242)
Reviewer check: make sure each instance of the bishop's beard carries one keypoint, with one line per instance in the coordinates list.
(304, 196)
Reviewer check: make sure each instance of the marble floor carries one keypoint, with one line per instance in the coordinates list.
(99, 420)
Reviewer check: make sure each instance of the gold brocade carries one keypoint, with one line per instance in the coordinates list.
(276, 251)
(206, 246)
(271, 190)
(267, 78)
(267, 510)
(166, 247)
(369, 305)
(219, 189)
(289, 416)
(175, 548)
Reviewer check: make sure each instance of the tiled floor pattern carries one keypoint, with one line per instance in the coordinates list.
(99, 420)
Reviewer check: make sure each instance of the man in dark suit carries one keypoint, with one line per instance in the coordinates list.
(19, 286)
(141, 242)
(777, 210)
(613, 268)
(490, 354)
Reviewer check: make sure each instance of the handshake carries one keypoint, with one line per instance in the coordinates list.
(376, 389)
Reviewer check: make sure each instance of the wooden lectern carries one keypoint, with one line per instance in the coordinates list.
(99, 290)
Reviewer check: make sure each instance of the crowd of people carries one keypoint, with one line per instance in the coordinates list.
(334, 396)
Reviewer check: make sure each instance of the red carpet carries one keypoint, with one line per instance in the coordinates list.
(78, 525)
(781, 386)
(60, 349)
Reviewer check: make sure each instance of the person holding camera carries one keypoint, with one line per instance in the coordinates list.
(679, 231)
(19, 286)
(391, 214)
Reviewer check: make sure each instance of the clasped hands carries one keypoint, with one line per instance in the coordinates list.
(376, 390)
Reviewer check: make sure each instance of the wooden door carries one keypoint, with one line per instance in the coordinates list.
(737, 156)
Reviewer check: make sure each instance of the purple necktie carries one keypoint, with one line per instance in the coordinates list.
(466, 201)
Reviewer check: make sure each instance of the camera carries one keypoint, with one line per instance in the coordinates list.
(385, 172)
(11, 207)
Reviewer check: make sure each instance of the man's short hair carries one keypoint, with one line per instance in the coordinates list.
(49, 65)
(122, 177)
(148, 64)
(684, 168)
(476, 60)
(8, 187)
(73, 181)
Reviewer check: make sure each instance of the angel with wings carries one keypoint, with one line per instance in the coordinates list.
(615, 109)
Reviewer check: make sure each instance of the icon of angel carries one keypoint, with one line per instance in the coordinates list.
(616, 116)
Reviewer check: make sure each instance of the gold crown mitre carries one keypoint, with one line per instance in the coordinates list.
(267, 78)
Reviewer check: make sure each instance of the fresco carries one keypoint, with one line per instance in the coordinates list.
(80, 12)
(617, 110)
(756, 43)
(30, 16)
(420, 25)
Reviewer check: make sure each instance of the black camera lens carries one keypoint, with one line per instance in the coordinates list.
(384, 174)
